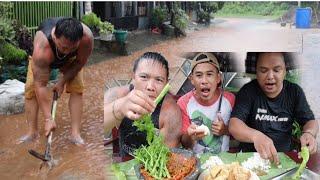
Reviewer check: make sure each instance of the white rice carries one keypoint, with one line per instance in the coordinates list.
(212, 161)
(257, 163)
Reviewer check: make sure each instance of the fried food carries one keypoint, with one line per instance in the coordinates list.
(215, 171)
(228, 172)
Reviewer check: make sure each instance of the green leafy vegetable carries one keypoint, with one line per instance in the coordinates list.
(145, 122)
(153, 157)
(296, 130)
(119, 174)
(305, 157)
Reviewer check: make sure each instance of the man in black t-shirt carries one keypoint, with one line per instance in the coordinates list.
(266, 108)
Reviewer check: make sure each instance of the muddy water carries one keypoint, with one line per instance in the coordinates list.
(73, 162)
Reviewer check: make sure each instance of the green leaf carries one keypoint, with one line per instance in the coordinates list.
(119, 174)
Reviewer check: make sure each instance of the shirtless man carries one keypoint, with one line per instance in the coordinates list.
(65, 44)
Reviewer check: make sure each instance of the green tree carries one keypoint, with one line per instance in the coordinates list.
(5, 9)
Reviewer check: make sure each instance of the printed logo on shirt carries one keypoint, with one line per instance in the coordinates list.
(262, 115)
(211, 142)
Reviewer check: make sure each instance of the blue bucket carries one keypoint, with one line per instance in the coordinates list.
(303, 17)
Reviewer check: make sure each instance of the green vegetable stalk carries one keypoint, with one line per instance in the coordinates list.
(145, 122)
(305, 157)
(154, 157)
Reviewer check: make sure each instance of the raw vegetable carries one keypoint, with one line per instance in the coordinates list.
(145, 122)
(305, 157)
(119, 174)
(153, 157)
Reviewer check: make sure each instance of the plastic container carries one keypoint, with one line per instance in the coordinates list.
(121, 36)
(303, 17)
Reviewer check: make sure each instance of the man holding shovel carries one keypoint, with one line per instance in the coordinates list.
(64, 44)
(206, 105)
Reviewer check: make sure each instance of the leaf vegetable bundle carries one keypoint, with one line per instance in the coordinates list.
(153, 157)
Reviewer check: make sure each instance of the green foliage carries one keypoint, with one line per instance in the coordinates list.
(210, 7)
(18, 72)
(5, 9)
(158, 16)
(180, 19)
(204, 16)
(7, 32)
(13, 63)
(293, 76)
(106, 27)
(207, 10)
(12, 54)
(23, 37)
(96, 25)
(91, 20)
(253, 9)
(296, 130)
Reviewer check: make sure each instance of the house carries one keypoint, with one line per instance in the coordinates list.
(132, 15)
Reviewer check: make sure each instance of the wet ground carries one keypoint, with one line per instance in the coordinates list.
(87, 162)
(73, 162)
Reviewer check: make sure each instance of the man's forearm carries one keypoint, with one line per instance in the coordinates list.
(69, 74)
(42, 94)
(112, 116)
(241, 132)
(311, 127)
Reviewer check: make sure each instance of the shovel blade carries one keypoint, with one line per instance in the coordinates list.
(38, 155)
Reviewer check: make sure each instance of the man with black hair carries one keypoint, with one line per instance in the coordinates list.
(206, 106)
(266, 108)
(59, 43)
(123, 105)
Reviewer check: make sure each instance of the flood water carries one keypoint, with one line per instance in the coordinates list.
(73, 162)
(89, 161)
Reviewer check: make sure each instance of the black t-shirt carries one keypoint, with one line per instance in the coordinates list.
(273, 117)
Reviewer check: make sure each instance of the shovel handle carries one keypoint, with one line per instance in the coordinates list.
(47, 153)
(55, 95)
(54, 105)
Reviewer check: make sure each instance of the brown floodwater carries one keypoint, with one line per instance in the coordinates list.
(73, 162)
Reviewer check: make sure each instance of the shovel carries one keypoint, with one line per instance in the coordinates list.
(47, 157)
